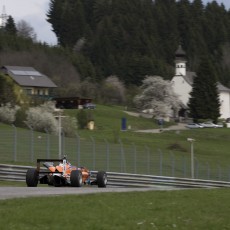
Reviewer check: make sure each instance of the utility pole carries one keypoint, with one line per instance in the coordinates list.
(3, 17)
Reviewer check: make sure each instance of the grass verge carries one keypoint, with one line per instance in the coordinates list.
(182, 209)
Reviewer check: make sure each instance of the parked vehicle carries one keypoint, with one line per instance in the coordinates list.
(220, 125)
(89, 106)
(209, 124)
(59, 172)
(194, 126)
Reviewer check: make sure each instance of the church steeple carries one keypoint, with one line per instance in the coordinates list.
(180, 62)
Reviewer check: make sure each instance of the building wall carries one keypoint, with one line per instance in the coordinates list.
(36, 91)
(181, 88)
(225, 104)
(180, 68)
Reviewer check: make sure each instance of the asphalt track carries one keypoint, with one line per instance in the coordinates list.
(23, 192)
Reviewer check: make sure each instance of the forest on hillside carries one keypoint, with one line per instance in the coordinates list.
(134, 38)
(121, 41)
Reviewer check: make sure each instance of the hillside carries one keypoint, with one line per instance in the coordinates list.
(143, 40)
(211, 145)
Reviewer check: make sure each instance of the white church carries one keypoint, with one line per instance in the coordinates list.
(182, 85)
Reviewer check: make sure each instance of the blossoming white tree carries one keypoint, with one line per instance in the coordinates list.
(8, 112)
(157, 97)
(42, 118)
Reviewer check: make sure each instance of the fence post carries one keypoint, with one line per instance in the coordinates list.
(94, 154)
(172, 164)
(15, 143)
(107, 155)
(208, 171)
(32, 143)
(63, 144)
(196, 169)
(148, 160)
(47, 143)
(219, 173)
(161, 161)
(135, 158)
(184, 163)
(122, 157)
(78, 150)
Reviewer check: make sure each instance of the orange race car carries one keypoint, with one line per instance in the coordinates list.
(61, 173)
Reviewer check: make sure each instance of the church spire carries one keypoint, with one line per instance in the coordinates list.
(180, 61)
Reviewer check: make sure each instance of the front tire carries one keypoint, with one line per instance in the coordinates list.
(101, 179)
(32, 177)
(76, 178)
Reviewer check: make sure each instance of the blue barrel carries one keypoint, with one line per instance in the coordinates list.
(123, 124)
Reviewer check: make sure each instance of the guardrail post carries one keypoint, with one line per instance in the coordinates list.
(15, 143)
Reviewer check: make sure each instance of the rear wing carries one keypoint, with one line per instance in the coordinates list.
(48, 160)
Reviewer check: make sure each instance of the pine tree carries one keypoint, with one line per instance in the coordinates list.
(10, 26)
(204, 102)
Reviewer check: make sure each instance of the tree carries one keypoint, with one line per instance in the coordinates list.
(113, 91)
(157, 97)
(10, 92)
(10, 26)
(8, 112)
(82, 119)
(204, 101)
(25, 30)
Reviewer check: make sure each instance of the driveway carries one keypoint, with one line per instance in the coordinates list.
(178, 127)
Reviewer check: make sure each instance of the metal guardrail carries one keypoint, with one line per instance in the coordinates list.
(18, 173)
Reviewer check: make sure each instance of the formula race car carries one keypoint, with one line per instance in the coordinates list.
(61, 173)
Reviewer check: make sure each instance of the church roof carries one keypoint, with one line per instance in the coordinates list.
(180, 53)
(189, 78)
(222, 88)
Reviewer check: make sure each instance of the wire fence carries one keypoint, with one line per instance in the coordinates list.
(21, 145)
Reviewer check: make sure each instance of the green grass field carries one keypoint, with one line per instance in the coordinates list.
(185, 209)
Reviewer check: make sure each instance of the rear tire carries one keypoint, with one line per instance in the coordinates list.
(76, 178)
(101, 179)
(32, 177)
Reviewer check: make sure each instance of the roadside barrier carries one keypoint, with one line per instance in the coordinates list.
(18, 173)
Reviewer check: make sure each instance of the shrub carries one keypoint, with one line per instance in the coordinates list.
(40, 120)
(69, 126)
(7, 113)
(82, 119)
